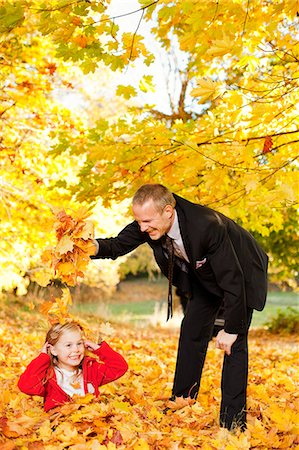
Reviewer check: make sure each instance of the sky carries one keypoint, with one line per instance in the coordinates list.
(134, 71)
(161, 69)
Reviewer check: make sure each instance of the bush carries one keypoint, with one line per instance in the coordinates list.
(286, 321)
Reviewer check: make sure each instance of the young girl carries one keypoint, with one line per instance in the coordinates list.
(62, 370)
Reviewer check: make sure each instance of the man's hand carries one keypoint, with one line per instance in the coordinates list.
(224, 341)
(96, 246)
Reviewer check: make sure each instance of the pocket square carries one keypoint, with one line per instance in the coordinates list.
(199, 264)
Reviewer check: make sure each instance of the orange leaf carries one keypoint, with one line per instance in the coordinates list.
(64, 268)
(179, 403)
(88, 247)
(45, 307)
(81, 40)
(268, 143)
(76, 20)
(12, 429)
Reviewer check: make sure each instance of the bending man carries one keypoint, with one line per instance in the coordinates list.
(212, 260)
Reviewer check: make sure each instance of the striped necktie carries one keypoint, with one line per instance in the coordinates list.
(170, 252)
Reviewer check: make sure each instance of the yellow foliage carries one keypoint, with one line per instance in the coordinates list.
(129, 414)
(221, 47)
(207, 90)
(243, 57)
(71, 255)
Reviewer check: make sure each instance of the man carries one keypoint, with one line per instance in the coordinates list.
(215, 262)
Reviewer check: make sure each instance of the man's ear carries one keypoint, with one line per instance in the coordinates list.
(52, 350)
(168, 210)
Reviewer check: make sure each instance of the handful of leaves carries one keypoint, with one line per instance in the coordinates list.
(71, 255)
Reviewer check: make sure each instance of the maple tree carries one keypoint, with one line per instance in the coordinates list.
(228, 140)
(35, 91)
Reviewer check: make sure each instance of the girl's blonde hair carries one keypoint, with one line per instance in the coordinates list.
(53, 336)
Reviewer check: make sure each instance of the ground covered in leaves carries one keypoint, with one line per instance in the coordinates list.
(129, 413)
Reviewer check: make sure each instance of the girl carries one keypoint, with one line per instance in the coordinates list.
(62, 370)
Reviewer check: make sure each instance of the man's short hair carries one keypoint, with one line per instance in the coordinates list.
(160, 195)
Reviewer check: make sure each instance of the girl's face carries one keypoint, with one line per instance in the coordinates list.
(69, 349)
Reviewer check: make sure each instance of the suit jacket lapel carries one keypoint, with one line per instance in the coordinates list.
(183, 230)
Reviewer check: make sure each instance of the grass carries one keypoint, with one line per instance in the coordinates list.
(275, 301)
(139, 300)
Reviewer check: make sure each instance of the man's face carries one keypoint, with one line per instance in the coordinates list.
(152, 221)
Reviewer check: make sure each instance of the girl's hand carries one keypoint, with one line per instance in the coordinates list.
(45, 348)
(89, 345)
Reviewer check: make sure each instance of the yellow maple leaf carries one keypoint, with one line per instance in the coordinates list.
(106, 329)
(126, 91)
(71, 279)
(141, 444)
(88, 247)
(42, 276)
(65, 245)
(82, 213)
(57, 310)
(64, 268)
(47, 256)
(66, 432)
(88, 398)
(66, 296)
(84, 231)
(284, 420)
(220, 47)
(81, 265)
(207, 90)
(179, 403)
(45, 431)
(121, 406)
(17, 427)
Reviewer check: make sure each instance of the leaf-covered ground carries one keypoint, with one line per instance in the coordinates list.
(129, 414)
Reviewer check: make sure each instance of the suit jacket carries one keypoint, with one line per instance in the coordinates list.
(224, 258)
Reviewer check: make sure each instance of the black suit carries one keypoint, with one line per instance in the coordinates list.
(226, 264)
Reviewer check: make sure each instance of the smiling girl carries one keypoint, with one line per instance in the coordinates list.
(62, 369)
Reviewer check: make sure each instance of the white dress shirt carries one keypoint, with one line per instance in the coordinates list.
(72, 383)
(175, 234)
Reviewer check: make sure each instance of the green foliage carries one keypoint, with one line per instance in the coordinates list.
(141, 261)
(282, 246)
(286, 321)
(11, 15)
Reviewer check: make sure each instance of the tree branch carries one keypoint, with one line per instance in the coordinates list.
(134, 34)
(246, 16)
(125, 14)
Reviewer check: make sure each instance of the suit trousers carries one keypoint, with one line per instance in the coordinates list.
(196, 332)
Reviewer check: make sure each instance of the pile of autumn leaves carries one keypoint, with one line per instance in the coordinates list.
(129, 413)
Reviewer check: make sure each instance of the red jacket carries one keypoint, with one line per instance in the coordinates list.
(111, 367)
